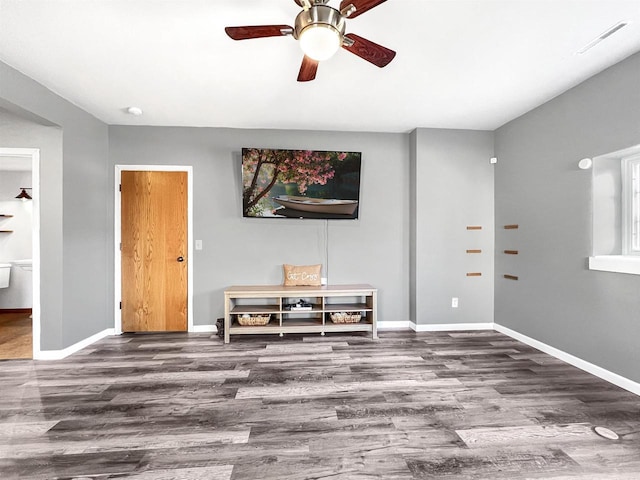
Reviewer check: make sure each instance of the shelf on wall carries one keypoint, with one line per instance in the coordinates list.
(5, 215)
(6, 231)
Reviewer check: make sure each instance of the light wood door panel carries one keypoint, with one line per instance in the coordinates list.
(154, 237)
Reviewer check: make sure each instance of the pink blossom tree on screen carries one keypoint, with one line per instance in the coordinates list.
(262, 168)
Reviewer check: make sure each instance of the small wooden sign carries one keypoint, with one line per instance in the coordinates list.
(511, 277)
(474, 251)
(474, 227)
(474, 274)
(511, 252)
(511, 227)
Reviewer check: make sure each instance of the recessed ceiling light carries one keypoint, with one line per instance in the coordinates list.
(607, 33)
(137, 111)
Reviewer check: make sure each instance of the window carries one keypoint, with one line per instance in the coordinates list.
(616, 212)
(631, 205)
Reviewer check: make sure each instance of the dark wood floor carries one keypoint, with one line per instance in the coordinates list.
(467, 405)
(16, 335)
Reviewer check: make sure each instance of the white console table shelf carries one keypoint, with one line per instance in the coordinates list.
(325, 300)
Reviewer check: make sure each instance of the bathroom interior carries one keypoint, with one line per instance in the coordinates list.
(16, 285)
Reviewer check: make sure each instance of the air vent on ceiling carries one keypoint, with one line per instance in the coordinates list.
(606, 34)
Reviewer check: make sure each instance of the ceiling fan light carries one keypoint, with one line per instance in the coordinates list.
(320, 42)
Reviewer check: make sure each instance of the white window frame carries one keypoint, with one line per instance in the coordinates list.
(615, 246)
(631, 205)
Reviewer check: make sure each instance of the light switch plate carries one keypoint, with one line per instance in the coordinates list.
(198, 244)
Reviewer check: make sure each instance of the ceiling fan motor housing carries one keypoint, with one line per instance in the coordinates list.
(320, 15)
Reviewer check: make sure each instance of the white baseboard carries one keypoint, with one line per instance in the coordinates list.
(600, 372)
(405, 325)
(204, 329)
(451, 327)
(436, 327)
(614, 378)
(76, 347)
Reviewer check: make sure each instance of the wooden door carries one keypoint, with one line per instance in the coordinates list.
(154, 251)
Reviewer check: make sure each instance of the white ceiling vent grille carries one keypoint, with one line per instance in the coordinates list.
(606, 34)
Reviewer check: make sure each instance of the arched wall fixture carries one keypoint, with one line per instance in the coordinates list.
(585, 164)
(23, 195)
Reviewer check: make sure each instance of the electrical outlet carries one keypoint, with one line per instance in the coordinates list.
(454, 302)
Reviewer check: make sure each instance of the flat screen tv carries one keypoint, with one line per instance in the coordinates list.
(300, 184)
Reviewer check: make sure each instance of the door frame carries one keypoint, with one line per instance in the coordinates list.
(33, 155)
(117, 288)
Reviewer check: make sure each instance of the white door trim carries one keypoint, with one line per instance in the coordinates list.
(117, 238)
(33, 155)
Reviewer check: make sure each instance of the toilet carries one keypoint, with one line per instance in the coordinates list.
(5, 272)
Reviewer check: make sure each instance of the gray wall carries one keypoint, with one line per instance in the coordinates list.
(558, 301)
(419, 193)
(16, 132)
(76, 265)
(452, 187)
(239, 251)
(413, 212)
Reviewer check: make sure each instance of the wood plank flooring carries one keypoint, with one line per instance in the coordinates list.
(463, 405)
(16, 336)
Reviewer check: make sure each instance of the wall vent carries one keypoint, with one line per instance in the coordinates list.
(606, 34)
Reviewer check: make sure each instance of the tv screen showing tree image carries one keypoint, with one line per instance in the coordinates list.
(300, 183)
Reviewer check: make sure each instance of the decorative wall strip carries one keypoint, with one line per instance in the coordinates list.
(474, 274)
(511, 252)
(474, 227)
(511, 227)
(511, 277)
(474, 251)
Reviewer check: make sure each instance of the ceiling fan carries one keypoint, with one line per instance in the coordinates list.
(320, 29)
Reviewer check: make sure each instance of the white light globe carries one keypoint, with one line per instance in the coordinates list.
(320, 42)
(585, 164)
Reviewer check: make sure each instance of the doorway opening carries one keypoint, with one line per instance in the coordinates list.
(20, 253)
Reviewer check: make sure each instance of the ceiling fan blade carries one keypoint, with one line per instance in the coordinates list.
(258, 31)
(308, 69)
(361, 6)
(371, 52)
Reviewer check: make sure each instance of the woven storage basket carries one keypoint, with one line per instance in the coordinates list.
(348, 317)
(254, 320)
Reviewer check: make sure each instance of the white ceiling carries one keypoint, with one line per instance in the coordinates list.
(470, 64)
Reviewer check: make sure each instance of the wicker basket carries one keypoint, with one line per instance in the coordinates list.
(346, 317)
(253, 320)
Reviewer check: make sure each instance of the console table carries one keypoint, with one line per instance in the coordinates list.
(273, 300)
